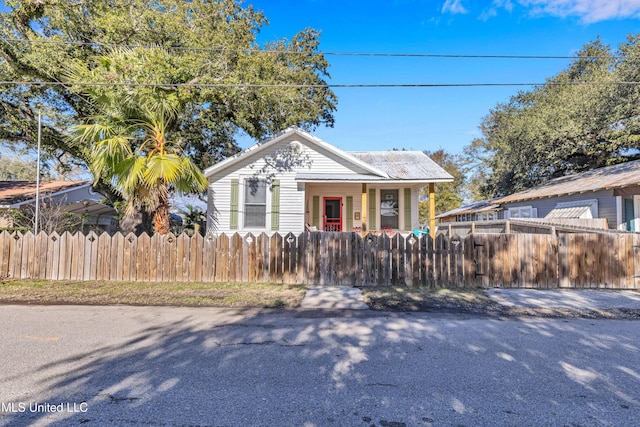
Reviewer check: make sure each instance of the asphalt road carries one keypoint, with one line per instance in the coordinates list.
(154, 366)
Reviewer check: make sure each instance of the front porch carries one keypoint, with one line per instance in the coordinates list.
(362, 207)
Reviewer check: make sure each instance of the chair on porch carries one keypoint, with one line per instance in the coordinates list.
(422, 231)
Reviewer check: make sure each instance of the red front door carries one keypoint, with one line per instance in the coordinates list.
(332, 218)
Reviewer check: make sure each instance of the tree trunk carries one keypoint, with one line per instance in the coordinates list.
(161, 217)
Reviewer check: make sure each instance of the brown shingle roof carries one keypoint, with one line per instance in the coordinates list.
(617, 176)
(18, 191)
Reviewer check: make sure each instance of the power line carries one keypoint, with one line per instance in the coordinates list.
(319, 86)
(332, 53)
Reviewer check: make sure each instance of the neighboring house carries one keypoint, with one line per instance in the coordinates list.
(484, 210)
(296, 181)
(611, 193)
(69, 196)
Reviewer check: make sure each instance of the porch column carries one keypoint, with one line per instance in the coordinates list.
(363, 209)
(432, 209)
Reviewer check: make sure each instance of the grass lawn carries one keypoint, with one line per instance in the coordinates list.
(253, 295)
(260, 295)
(270, 295)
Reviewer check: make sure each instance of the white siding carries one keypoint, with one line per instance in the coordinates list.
(292, 200)
(295, 208)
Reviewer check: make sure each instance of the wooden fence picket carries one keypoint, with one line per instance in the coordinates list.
(564, 260)
(5, 254)
(276, 259)
(634, 261)
(222, 258)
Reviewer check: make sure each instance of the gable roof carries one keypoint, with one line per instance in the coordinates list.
(374, 165)
(609, 177)
(255, 149)
(13, 192)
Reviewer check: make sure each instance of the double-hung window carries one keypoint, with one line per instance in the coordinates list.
(255, 203)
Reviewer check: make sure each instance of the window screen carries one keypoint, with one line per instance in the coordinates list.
(255, 203)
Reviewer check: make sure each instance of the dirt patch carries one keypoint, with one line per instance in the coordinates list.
(473, 301)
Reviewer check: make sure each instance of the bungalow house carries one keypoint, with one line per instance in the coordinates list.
(296, 181)
(69, 196)
(611, 194)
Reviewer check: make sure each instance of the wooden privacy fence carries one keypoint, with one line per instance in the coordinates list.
(477, 260)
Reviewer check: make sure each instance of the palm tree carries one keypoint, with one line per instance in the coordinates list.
(193, 217)
(130, 148)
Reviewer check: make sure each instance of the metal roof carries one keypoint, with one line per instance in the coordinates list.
(481, 206)
(89, 207)
(412, 166)
(404, 165)
(569, 212)
(255, 149)
(617, 176)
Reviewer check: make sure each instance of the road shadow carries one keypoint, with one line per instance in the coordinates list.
(307, 368)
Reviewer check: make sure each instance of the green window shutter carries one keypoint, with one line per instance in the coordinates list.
(316, 211)
(275, 204)
(233, 220)
(372, 209)
(349, 222)
(407, 209)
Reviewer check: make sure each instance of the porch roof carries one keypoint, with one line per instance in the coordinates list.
(345, 177)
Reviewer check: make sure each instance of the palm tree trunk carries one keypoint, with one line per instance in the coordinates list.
(161, 217)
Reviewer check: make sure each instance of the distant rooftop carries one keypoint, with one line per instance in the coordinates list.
(18, 191)
(616, 176)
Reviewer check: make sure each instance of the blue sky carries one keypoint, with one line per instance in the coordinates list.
(433, 118)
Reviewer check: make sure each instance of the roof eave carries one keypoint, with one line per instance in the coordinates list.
(373, 180)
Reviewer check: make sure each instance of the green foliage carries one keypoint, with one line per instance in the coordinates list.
(197, 44)
(192, 215)
(194, 218)
(574, 122)
(130, 140)
(449, 195)
(16, 169)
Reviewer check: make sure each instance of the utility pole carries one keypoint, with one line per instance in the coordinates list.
(35, 226)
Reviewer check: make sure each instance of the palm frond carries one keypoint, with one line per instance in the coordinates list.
(129, 174)
(163, 167)
(192, 179)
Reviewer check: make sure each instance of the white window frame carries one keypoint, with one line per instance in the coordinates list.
(487, 216)
(245, 186)
(533, 212)
(466, 217)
